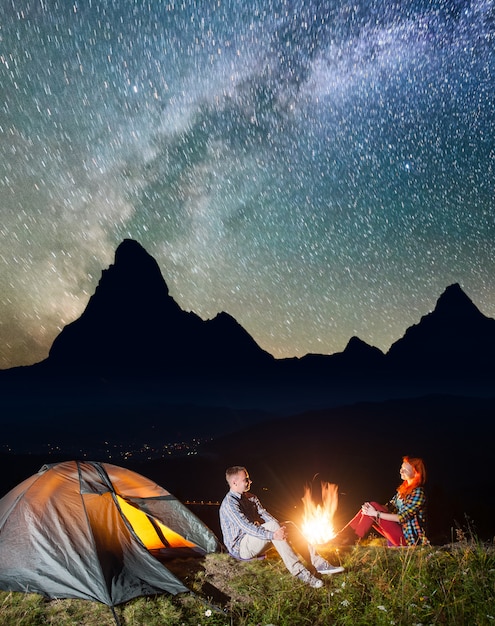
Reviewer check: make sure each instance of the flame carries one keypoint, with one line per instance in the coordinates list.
(317, 525)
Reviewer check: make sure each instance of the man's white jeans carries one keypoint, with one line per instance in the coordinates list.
(253, 546)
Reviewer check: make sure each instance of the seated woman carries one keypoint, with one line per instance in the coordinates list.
(402, 521)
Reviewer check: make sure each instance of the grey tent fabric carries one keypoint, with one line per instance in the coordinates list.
(63, 534)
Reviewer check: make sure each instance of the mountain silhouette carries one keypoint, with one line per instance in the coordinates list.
(134, 351)
(454, 340)
(358, 356)
(133, 327)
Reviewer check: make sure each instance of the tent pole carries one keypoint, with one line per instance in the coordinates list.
(115, 616)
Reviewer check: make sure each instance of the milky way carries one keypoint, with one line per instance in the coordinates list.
(316, 169)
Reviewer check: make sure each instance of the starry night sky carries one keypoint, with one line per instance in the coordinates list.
(316, 169)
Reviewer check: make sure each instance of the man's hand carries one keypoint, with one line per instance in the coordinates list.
(280, 534)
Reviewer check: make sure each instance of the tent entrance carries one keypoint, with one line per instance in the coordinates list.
(152, 533)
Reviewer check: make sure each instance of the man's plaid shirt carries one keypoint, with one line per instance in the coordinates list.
(235, 524)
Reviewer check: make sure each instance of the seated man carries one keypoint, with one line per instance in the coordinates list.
(248, 530)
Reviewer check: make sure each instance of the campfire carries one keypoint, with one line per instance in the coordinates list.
(317, 525)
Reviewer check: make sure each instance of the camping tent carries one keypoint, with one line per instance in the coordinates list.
(95, 531)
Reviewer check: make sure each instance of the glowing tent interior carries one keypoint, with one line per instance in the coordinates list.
(94, 531)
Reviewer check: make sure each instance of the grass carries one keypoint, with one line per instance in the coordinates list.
(452, 585)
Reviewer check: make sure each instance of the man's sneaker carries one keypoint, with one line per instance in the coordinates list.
(312, 581)
(330, 569)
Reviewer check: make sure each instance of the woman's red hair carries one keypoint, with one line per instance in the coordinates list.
(419, 475)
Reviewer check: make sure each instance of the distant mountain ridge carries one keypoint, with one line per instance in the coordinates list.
(132, 327)
(134, 351)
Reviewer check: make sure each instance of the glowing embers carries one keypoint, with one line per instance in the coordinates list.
(317, 524)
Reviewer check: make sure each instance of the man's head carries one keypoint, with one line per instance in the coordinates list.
(238, 478)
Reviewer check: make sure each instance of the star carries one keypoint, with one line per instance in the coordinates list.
(318, 170)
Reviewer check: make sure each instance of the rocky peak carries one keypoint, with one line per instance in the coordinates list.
(456, 305)
(133, 326)
(454, 336)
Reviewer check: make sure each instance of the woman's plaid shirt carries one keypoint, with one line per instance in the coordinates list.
(411, 510)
